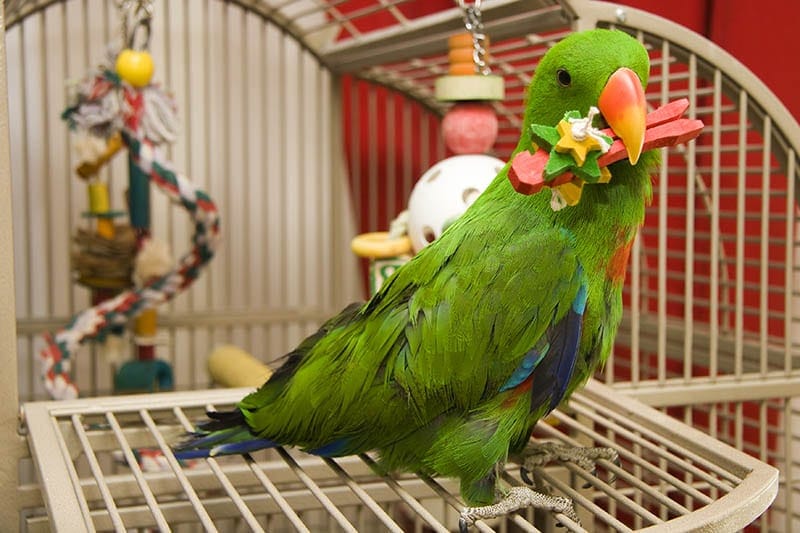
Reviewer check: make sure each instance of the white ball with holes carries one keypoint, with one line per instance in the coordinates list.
(444, 192)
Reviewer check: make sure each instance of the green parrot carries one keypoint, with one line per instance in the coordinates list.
(447, 369)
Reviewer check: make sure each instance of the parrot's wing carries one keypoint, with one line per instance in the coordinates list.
(451, 329)
(493, 316)
(547, 368)
(490, 346)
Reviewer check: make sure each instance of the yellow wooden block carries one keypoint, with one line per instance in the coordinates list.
(460, 55)
(98, 197)
(465, 87)
(568, 143)
(88, 169)
(378, 245)
(146, 323)
(230, 366)
(105, 228)
(571, 191)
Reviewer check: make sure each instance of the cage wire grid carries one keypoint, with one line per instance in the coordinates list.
(712, 294)
(671, 477)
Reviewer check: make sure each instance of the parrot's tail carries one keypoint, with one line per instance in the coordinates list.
(225, 433)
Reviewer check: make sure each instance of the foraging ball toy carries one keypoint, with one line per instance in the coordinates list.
(444, 192)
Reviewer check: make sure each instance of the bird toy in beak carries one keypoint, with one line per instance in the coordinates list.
(574, 152)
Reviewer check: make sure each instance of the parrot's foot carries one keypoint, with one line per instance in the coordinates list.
(541, 454)
(517, 498)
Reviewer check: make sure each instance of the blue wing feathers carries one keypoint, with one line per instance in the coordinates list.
(552, 374)
(569, 337)
(336, 448)
(579, 304)
(187, 455)
(526, 367)
(227, 434)
(247, 446)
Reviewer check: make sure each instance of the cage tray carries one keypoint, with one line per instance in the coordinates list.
(104, 464)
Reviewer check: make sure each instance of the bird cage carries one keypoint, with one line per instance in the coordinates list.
(308, 121)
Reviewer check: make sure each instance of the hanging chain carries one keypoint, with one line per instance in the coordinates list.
(135, 15)
(474, 25)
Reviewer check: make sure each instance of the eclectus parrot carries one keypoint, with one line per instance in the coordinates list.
(448, 367)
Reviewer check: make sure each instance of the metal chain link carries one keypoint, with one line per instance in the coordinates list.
(474, 24)
(135, 14)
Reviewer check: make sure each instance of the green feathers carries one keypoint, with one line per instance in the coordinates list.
(431, 371)
(589, 58)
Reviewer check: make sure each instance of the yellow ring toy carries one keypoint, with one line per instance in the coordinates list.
(378, 245)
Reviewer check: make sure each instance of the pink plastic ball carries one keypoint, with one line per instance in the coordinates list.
(470, 128)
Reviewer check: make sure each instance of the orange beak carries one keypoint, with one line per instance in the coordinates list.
(622, 104)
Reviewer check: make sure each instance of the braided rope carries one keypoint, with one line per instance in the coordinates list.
(116, 311)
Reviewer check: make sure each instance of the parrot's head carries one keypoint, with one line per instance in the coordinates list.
(603, 68)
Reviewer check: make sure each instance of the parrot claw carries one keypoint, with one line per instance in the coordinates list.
(518, 498)
(523, 473)
(540, 454)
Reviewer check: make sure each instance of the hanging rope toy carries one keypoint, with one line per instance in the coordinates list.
(124, 109)
(117, 311)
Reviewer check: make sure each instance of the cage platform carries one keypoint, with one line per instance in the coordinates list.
(91, 457)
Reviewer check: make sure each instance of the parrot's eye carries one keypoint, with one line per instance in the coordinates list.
(563, 77)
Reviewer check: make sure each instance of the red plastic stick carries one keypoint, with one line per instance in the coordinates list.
(664, 128)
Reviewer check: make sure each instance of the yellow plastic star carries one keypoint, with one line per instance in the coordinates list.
(605, 175)
(571, 191)
(578, 149)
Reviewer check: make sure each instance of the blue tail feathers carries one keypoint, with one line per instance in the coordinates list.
(224, 433)
(227, 433)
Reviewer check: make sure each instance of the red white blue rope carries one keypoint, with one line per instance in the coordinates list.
(88, 324)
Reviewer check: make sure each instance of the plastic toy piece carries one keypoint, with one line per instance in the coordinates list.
(470, 128)
(230, 366)
(99, 208)
(98, 191)
(135, 66)
(569, 144)
(378, 245)
(444, 192)
(139, 376)
(87, 169)
(469, 87)
(465, 82)
(145, 324)
(664, 127)
(461, 52)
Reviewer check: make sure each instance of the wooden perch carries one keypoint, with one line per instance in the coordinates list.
(87, 169)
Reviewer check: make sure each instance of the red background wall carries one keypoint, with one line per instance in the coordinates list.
(756, 33)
